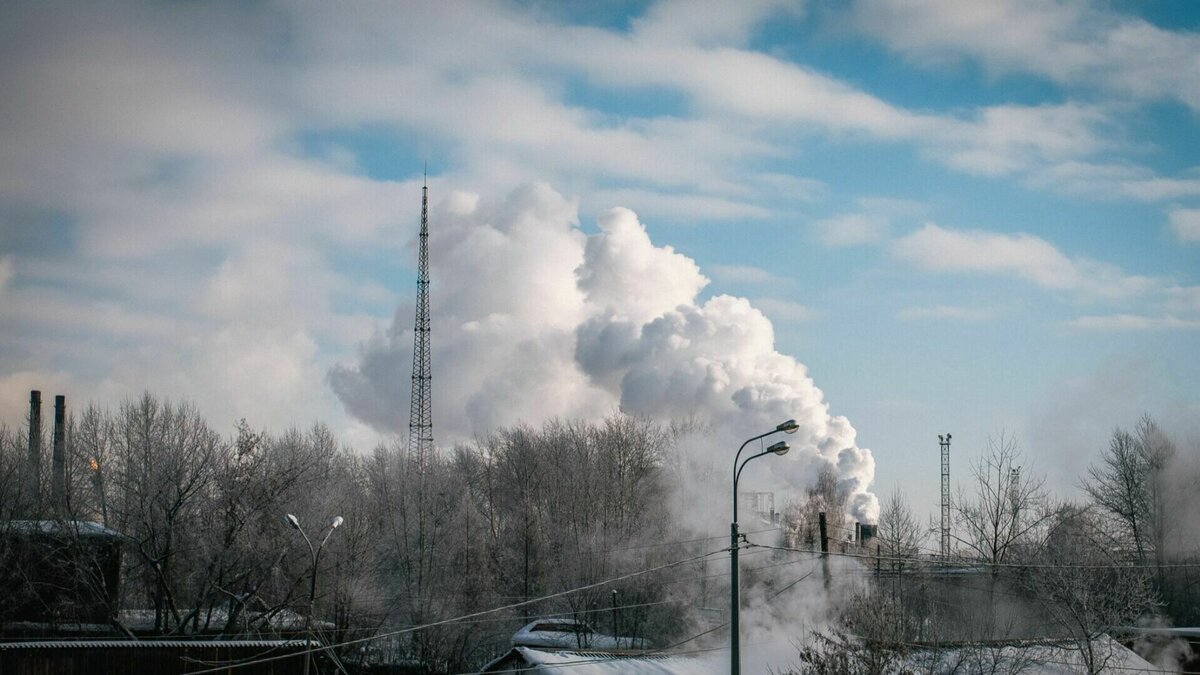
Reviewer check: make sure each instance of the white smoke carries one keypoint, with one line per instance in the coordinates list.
(533, 319)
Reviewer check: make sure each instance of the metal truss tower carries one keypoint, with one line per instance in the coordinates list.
(420, 413)
(944, 442)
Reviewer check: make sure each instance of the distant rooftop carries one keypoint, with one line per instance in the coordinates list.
(78, 528)
(580, 662)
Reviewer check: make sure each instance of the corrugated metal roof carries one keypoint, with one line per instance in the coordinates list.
(151, 644)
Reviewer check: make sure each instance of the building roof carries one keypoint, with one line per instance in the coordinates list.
(149, 644)
(572, 662)
(1030, 657)
(78, 528)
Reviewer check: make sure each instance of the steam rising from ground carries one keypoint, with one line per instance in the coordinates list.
(533, 319)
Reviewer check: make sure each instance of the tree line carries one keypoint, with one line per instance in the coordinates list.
(1026, 566)
(527, 512)
(518, 514)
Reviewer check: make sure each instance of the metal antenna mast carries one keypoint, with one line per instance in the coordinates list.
(944, 442)
(420, 413)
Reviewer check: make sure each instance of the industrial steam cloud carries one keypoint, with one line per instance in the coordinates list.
(534, 319)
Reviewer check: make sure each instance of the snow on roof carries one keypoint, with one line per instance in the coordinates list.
(79, 528)
(569, 662)
(560, 633)
(150, 644)
(1036, 658)
(1180, 631)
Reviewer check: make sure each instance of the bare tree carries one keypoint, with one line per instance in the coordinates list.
(900, 534)
(1083, 589)
(1007, 508)
(1128, 485)
(165, 460)
(870, 637)
(826, 496)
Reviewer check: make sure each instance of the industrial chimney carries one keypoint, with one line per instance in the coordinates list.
(34, 466)
(58, 468)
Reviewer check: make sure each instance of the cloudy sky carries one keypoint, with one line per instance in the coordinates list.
(887, 219)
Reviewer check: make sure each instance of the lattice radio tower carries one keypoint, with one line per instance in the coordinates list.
(420, 413)
(944, 442)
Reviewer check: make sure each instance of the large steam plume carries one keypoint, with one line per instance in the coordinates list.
(534, 319)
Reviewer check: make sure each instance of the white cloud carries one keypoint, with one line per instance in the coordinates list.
(1008, 139)
(785, 310)
(954, 312)
(1184, 300)
(943, 250)
(15, 388)
(1132, 322)
(7, 271)
(737, 100)
(852, 229)
(536, 320)
(1113, 181)
(1021, 255)
(618, 265)
(1186, 224)
(691, 206)
(1073, 43)
(172, 143)
(793, 187)
(746, 274)
(704, 22)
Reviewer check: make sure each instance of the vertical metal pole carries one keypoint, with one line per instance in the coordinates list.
(735, 660)
(420, 413)
(944, 443)
(735, 599)
(312, 594)
(614, 615)
(824, 547)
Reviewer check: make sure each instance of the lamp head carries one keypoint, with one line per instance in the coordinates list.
(789, 427)
(781, 448)
(336, 521)
(293, 521)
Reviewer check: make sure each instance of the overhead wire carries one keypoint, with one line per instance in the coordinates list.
(983, 564)
(309, 649)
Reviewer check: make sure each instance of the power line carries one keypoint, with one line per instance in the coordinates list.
(472, 615)
(984, 564)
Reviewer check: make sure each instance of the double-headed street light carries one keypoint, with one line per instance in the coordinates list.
(294, 522)
(780, 448)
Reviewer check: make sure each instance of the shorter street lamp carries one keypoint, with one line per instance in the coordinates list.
(294, 522)
(780, 448)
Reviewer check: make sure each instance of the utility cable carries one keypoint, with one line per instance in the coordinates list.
(309, 649)
(978, 564)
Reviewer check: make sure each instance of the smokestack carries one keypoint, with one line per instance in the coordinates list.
(868, 532)
(34, 481)
(857, 533)
(58, 466)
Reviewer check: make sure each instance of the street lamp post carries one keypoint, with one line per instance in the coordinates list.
(294, 522)
(780, 448)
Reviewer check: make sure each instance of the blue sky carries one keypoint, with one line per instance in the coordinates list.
(975, 217)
